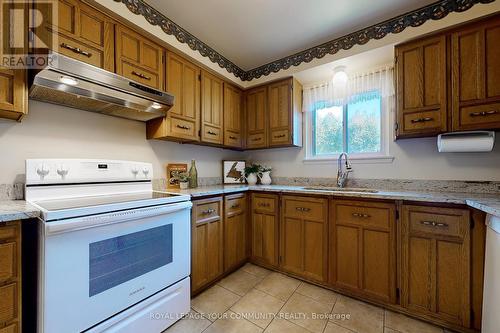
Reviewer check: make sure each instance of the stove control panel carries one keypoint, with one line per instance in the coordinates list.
(55, 171)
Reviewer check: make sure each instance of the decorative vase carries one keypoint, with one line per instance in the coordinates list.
(265, 179)
(252, 179)
(184, 185)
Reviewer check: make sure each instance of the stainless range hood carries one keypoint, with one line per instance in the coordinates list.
(79, 85)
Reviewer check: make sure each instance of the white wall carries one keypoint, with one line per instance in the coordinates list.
(52, 131)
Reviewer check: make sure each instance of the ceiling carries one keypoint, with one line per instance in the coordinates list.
(254, 33)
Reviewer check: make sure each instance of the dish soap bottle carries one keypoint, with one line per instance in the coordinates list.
(193, 175)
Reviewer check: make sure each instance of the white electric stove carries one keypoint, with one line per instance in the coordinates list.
(114, 255)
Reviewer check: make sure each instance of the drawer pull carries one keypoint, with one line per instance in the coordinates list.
(360, 215)
(483, 113)
(76, 50)
(142, 76)
(184, 127)
(257, 139)
(303, 209)
(208, 211)
(421, 120)
(211, 133)
(232, 137)
(235, 206)
(262, 204)
(279, 136)
(434, 224)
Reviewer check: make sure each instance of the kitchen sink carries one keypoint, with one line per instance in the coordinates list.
(340, 189)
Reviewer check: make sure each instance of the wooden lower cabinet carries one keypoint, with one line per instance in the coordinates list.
(363, 249)
(264, 229)
(235, 231)
(10, 277)
(207, 242)
(304, 237)
(435, 263)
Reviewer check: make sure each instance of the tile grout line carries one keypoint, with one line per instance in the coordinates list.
(284, 303)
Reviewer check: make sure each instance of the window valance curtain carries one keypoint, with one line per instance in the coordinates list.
(360, 86)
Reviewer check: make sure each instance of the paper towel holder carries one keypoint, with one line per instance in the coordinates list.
(466, 142)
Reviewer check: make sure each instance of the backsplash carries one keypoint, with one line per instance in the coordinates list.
(12, 191)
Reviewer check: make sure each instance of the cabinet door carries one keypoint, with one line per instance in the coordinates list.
(280, 112)
(235, 231)
(265, 229)
(476, 76)
(138, 58)
(256, 110)
(421, 88)
(206, 242)
(363, 249)
(212, 92)
(304, 237)
(233, 116)
(435, 263)
(83, 33)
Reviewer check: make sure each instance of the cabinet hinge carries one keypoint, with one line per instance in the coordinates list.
(397, 214)
(199, 77)
(397, 294)
(472, 223)
(280, 259)
(396, 126)
(471, 315)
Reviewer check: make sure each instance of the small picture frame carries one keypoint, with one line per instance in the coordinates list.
(172, 171)
(233, 172)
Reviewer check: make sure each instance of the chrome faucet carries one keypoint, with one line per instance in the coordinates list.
(343, 173)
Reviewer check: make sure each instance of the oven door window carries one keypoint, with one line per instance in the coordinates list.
(117, 260)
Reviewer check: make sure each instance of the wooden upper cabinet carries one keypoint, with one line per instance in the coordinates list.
(83, 33)
(264, 229)
(421, 87)
(138, 58)
(212, 109)
(256, 113)
(475, 58)
(235, 230)
(182, 122)
(233, 116)
(363, 248)
(435, 262)
(285, 114)
(304, 237)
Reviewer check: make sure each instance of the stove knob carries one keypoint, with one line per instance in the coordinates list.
(135, 171)
(145, 171)
(42, 170)
(62, 171)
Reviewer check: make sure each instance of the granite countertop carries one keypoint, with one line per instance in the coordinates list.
(11, 210)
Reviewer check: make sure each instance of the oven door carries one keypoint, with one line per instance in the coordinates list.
(94, 267)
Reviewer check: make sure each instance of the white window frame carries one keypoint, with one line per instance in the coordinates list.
(379, 157)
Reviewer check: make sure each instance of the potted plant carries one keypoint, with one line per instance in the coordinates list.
(251, 173)
(183, 178)
(265, 175)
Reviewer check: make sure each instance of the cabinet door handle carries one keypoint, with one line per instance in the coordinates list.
(361, 215)
(303, 209)
(434, 224)
(76, 50)
(483, 113)
(183, 127)
(211, 133)
(279, 136)
(421, 120)
(208, 211)
(142, 76)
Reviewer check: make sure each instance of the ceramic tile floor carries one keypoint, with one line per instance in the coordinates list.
(254, 299)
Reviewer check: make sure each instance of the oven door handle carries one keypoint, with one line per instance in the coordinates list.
(94, 221)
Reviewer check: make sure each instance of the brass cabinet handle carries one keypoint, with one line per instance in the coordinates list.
(235, 206)
(76, 50)
(279, 136)
(211, 133)
(142, 76)
(257, 139)
(183, 127)
(421, 120)
(303, 209)
(232, 137)
(483, 113)
(434, 224)
(261, 204)
(208, 211)
(361, 215)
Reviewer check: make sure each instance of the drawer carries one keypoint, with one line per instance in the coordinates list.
(418, 121)
(305, 208)
(8, 262)
(235, 205)
(265, 204)
(256, 140)
(212, 134)
(207, 210)
(376, 215)
(79, 51)
(480, 116)
(184, 129)
(8, 302)
(140, 75)
(437, 221)
(232, 139)
(280, 137)
(9, 329)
